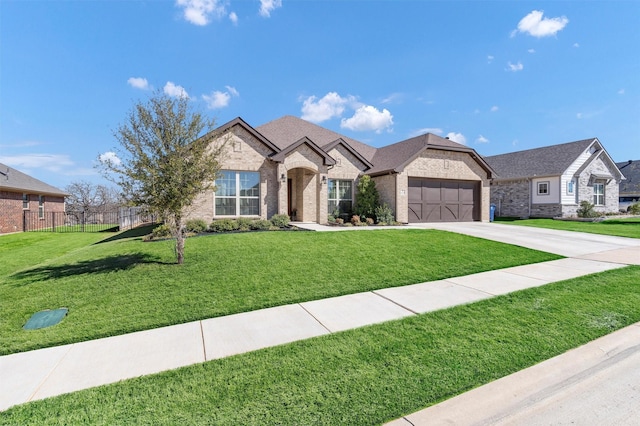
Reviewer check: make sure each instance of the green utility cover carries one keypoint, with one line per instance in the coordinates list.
(46, 318)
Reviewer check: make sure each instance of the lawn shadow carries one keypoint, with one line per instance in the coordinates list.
(95, 266)
(139, 231)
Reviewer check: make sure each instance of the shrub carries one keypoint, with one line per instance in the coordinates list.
(586, 210)
(370, 221)
(280, 220)
(355, 219)
(384, 214)
(634, 208)
(223, 225)
(161, 231)
(260, 225)
(244, 223)
(339, 221)
(368, 197)
(331, 219)
(196, 226)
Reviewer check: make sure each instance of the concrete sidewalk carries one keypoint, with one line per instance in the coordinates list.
(53, 371)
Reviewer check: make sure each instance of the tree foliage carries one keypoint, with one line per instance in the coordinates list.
(367, 199)
(164, 161)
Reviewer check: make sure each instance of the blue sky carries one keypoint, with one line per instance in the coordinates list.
(499, 76)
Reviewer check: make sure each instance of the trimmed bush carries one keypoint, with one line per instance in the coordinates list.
(355, 219)
(339, 221)
(384, 214)
(161, 231)
(370, 221)
(586, 210)
(280, 220)
(260, 225)
(196, 226)
(634, 208)
(223, 225)
(244, 223)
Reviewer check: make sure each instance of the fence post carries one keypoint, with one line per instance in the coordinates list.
(24, 221)
(53, 219)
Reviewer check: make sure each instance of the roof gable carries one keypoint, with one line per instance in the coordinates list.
(551, 160)
(12, 179)
(287, 130)
(238, 121)
(631, 171)
(326, 158)
(394, 158)
(348, 147)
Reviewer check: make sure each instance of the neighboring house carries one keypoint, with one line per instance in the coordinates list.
(630, 187)
(294, 167)
(22, 195)
(553, 180)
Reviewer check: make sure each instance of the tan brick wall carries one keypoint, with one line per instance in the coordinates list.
(242, 152)
(437, 164)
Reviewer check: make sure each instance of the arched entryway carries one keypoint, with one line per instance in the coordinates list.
(304, 189)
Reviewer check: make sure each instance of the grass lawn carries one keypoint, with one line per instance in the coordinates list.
(368, 375)
(627, 227)
(126, 285)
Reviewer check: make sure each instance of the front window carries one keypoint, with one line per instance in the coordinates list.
(237, 194)
(340, 197)
(598, 194)
(40, 206)
(570, 187)
(543, 188)
(25, 201)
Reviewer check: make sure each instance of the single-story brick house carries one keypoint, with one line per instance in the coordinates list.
(20, 193)
(630, 187)
(294, 167)
(552, 181)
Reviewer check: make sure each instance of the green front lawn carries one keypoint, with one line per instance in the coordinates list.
(364, 376)
(628, 227)
(126, 285)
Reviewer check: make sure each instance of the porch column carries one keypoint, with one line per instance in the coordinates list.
(323, 196)
(282, 190)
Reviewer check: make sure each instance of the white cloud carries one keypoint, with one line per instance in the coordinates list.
(368, 117)
(535, 25)
(392, 98)
(219, 99)
(233, 17)
(494, 108)
(200, 12)
(424, 130)
(329, 106)
(576, 45)
(457, 137)
(268, 6)
(514, 142)
(109, 157)
(482, 139)
(579, 116)
(138, 83)
(515, 67)
(51, 162)
(490, 58)
(175, 91)
(621, 92)
(531, 50)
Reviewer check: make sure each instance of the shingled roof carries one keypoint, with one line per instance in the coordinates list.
(16, 181)
(546, 161)
(287, 130)
(631, 171)
(393, 158)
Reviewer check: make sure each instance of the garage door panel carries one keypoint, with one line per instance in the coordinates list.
(433, 200)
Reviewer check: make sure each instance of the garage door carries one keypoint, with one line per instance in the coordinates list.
(436, 200)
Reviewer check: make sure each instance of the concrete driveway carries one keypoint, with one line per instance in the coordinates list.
(581, 245)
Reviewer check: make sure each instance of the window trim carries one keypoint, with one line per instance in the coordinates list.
(597, 195)
(40, 206)
(338, 199)
(571, 187)
(237, 195)
(25, 201)
(547, 185)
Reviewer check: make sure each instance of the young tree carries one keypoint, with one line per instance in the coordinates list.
(88, 197)
(367, 198)
(164, 162)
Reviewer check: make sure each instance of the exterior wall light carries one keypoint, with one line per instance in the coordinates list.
(283, 177)
(324, 180)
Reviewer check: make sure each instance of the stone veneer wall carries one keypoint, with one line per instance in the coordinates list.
(511, 197)
(611, 190)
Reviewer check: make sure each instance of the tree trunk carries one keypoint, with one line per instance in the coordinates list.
(179, 241)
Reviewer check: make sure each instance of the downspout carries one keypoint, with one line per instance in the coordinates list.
(530, 196)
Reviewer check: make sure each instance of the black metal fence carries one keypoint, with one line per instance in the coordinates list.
(114, 220)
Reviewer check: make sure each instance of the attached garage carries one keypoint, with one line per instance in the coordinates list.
(438, 200)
